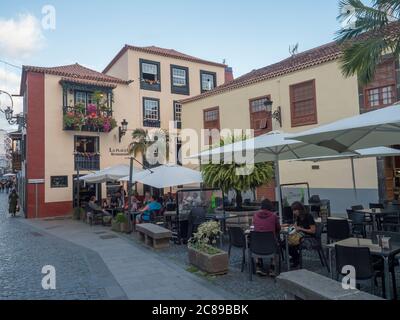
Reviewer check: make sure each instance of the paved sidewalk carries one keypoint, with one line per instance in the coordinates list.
(141, 272)
(80, 273)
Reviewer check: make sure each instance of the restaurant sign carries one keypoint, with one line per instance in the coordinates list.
(119, 152)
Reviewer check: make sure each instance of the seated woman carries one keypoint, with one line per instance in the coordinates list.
(306, 227)
(95, 208)
(145, 215)
(266, 220)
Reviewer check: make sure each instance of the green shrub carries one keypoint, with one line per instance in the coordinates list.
(205, 237)
(77, 213)
(121, 218)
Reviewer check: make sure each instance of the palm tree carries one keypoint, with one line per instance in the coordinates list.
(143, 140)
(140, 142)
(225, 176)
(367, 38)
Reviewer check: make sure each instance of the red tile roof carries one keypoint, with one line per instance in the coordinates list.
(326, 53)
(171, 53)
(89, 82)
(307, 59)
(75, 71)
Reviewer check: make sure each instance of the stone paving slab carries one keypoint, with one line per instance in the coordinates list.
(142, 273)
(80, 272)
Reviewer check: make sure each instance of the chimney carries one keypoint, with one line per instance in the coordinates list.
(228, 74)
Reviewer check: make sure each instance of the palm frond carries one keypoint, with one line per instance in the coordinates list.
(362, 58)
(369, 39)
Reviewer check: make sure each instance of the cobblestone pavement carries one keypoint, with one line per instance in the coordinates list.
(261, 288)
(80, 273)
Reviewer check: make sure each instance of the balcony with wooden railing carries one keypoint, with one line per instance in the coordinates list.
(90, 119)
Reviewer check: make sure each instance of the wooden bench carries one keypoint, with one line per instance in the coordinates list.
(306, 285)
(154, 236)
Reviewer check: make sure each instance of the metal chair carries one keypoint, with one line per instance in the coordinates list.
(393, 263)
(367, 217)
(316, 246)
(361, 260)
(237, 239)
(94, 217)
(358, 223)
(262, 245)
(337, 229)
(376, 206)
(391, 222)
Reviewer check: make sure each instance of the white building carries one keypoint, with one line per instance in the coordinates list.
(4, 162)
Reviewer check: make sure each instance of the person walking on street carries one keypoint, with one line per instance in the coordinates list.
(13, 202)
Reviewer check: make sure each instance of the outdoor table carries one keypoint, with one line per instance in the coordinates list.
(375, 250)
(114, 211)
(374, 213)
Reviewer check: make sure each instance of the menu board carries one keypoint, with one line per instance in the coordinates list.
(59, 181)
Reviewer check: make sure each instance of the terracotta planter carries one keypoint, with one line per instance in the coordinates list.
(212, 264)
(83, 216)
(115, 226)
(124, 227)
(120, 227)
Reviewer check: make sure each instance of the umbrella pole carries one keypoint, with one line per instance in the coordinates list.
(354, 179)
(130, 193)
(278, 189)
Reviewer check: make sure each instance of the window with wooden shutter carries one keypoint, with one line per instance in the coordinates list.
(381, 92)
(260, 117)
(211, 120)
(303, 104)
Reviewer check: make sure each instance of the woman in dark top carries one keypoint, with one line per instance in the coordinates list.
(305, 225)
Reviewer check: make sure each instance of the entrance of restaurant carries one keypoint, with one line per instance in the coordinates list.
(392, 177)
(85, 192)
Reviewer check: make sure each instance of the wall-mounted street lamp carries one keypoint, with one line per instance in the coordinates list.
(277, 114)
(122, 129)
(8, 111)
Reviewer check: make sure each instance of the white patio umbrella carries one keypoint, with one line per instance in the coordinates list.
(271, 147)
(8, 175)
(362, 153)
(167, 176)
(368, 130)
(107, 175)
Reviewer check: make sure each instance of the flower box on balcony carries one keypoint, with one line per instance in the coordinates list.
(92, 119)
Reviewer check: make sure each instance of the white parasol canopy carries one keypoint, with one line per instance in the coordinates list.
(362, 153)
(166, 176)
(368, 130)
(107, 175)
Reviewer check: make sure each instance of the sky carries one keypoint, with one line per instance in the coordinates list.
(248, 34)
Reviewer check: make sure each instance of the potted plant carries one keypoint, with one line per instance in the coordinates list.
(69, 121)
(202, 252)
(120, 223)
(237, 177)
(78, 213)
